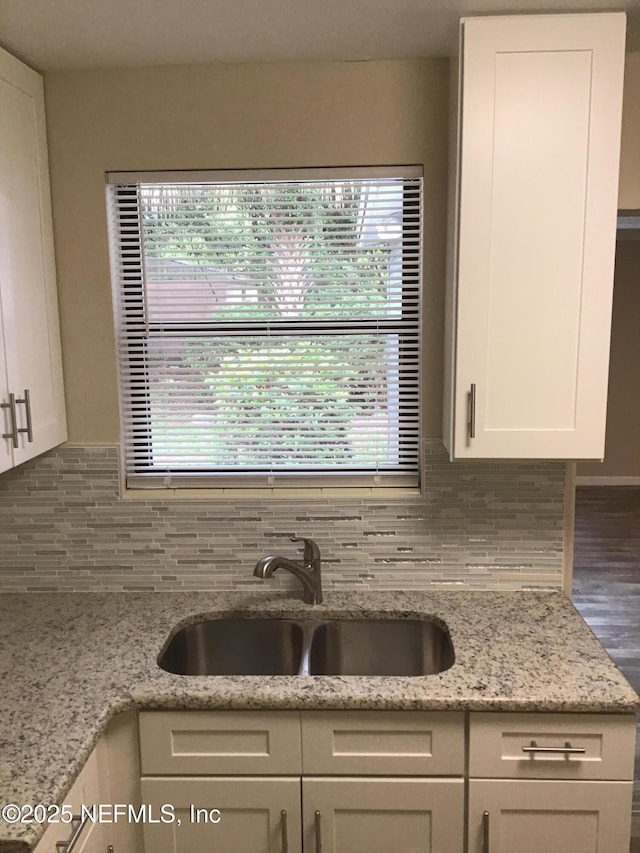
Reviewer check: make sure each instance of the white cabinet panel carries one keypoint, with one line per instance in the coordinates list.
(29, 333)
(217, 742)
(383, 743)
(256, 815)
(556, 817)
(90, 788)
(358, 815)
(531, 746)
(6, 448)
(540, 116)
(354, 794)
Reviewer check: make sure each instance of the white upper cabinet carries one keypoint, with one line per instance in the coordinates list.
(30, 359)
(533, 236)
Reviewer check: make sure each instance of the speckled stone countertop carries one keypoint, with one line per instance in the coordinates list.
(69, 662)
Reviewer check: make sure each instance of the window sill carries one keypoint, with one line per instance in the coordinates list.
(276, 494)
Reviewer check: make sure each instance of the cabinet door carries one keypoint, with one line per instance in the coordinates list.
(94, 839)
(27, 271)
(256, 815)
(6, 448)
(541, 103)
(366, 815)
(90, 789)
(123, 767)
(556, 817)
(91, 837)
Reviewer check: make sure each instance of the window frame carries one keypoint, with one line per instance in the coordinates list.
(142, 474)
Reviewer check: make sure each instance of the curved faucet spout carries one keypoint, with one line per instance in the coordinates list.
(267, 566)
(307, 571)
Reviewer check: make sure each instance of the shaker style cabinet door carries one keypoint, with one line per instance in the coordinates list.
(373, 815)
(256, 815)
(555, 817)
(531, 264)
(91, 788)
(29, 333)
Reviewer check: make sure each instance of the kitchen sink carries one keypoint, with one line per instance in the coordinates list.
(380, 647)
(235, 647)
(264, 646)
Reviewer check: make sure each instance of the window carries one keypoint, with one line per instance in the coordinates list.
(268, 326)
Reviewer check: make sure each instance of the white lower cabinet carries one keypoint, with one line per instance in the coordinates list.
(338, 815)
(357, 782)
(363, 782)
(90, 787)
(348, 782)
(515, 816)
(558, 783)
(111, 775)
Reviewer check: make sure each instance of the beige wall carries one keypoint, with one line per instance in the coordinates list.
(243, 116)
(629, 195)
(622, 450)
(226, 116)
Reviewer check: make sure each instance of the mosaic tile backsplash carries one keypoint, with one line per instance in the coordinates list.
(483, 525)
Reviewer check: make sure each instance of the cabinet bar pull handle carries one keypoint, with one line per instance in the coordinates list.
(11, 405)
(283, 828)
(27, 405)
(318, 832)
(70, 845)
(472, 411)
(567, 749)
(485, 832)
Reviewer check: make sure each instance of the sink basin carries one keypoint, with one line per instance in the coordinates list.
(235, 647)
(266, 646)
(380, 647)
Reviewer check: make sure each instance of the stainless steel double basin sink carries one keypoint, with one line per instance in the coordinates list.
(303, 647)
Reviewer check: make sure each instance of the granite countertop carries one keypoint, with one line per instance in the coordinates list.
(69, 662)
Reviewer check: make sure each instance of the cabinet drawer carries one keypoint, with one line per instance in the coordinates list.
(531, 746)
(219, 742)
(382, 743)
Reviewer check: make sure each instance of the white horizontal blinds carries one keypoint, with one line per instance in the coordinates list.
(269, 329)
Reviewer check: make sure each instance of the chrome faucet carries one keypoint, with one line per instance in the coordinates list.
(307, 570)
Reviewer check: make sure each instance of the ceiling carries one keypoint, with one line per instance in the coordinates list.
(58, 34)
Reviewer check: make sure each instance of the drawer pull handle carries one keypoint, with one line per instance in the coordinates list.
(285, 834)
(471, 424)
(318, 832)
(27, 406)
(13, 421)
(567, 749)
(69, 845)
(485, 832)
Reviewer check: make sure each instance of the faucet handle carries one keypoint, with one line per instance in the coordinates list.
(311, 552)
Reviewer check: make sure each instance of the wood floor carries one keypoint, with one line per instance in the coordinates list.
(606, 584)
